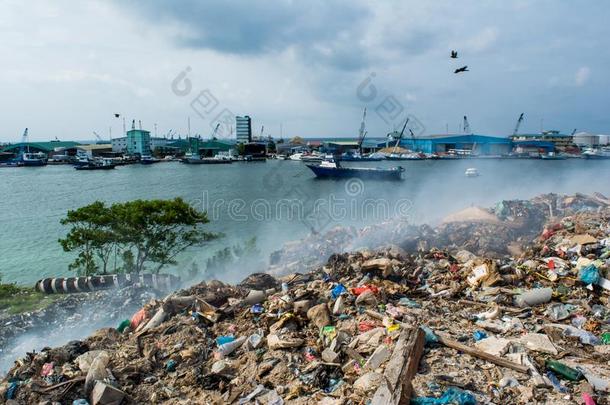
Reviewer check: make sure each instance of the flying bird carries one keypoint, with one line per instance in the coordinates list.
(117, 115)
(462, 69)
(454, 55)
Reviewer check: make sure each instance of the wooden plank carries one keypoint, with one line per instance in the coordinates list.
(396, 389)
(481, 354)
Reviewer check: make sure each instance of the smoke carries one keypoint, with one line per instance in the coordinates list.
(73, 317)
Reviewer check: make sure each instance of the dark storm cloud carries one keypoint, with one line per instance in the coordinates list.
(318, 28)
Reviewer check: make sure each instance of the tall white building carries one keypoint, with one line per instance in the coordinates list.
(243, 129)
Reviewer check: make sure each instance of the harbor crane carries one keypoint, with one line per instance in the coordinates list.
(215, 130)
(466, 125)
(400, 136)
(519, 121)
(24, 141)
(362, 132)
(98, 137)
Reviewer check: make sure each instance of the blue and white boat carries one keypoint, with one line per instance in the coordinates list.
(332, 170)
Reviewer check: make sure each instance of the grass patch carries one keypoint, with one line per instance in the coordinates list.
(15, 299)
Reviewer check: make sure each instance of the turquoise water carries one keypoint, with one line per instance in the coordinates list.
(251, 199)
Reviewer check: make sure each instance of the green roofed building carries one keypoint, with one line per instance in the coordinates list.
(44, 147)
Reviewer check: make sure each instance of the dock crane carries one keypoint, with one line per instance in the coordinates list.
(24, 140)
(519, 121)
(98, 137)
(466, 125)
(400, 136)
(362, 132)
(215, 130)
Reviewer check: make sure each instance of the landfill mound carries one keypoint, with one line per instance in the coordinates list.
(492, 232)
(69, 316)
(422, 321)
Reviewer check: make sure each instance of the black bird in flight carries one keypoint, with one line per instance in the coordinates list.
(454, 55)
(117, 115)
(462, 69)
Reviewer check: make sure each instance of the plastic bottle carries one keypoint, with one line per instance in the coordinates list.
(563, 370)
(586, 338)
(230, 347)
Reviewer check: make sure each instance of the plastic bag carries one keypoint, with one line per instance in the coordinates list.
(589, 274)
(451, 396)
(97, 371)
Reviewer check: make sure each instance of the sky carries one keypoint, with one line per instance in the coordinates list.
(301, 68)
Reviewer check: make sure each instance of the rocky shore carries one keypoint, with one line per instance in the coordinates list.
(501, 305)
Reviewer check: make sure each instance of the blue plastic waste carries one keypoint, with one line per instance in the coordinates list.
(407, 302)
(80, 402)
(589, 274)
(555, 381)
(453, 396)
(337, 291)
(221, 340)
(430, 336)
(479, 335)
(12, 390)
(171, 365)
(257, 309)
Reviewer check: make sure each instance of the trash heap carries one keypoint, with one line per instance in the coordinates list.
(67, 315)
(433, 325)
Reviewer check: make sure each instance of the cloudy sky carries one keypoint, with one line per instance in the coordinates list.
(308, 67)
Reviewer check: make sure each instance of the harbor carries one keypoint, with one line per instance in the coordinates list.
(139, 147)
(35, 199)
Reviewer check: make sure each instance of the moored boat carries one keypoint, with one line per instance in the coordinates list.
(196, 160)
(149, 160)
(329, 170)
(593, 153)
(103, 164)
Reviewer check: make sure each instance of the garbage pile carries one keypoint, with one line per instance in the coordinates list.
(496, 231)
(436, 325)
(69, 316)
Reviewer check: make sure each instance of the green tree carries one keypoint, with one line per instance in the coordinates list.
(91, 237)
(144, 231)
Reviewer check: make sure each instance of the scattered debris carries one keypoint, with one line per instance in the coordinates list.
(434, 316)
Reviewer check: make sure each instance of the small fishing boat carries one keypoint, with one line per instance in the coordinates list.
(595, 153)
(313, 157)
(331, 169)
(472, 172)
(103, 164)
(196, 160)
(149, 160)
(356, 157)
(552, 156)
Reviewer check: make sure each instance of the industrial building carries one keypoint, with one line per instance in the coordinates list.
(561, 142)
(587, 140)
(460, 144)
(243, 129)
(138, 142)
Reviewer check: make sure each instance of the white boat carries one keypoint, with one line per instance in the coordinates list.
(595, 153)
(295, 156)
(471, 172)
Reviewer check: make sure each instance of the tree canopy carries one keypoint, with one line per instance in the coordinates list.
(142, 234)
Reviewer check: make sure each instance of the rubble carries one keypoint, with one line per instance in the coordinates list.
(440, 319)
